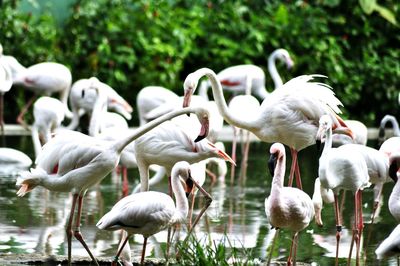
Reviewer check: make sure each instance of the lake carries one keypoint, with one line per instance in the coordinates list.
(35, 223)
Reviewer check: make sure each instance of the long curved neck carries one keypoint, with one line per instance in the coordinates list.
(393, 121)
(203, 89)
(36, 140)
(279, 174)
(328, 144)
(121, 144)
(182, 205)
(99, 109)
(276, 78)
(220, 100)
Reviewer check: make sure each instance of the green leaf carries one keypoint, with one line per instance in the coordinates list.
(368, 6)
(386, 14)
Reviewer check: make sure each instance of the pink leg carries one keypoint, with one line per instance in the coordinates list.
(115, 262)
(354, 234)
(297, 173)
(143, 251)
(338, 228)
(191, 210)
(293, 166)
(125, 183)
(69, 227)
(77, 232)
(290, 258)
(1, 112)
(20, 118)
(360, 226)
(233, 155)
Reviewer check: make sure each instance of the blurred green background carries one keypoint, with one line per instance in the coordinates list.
(132, 44)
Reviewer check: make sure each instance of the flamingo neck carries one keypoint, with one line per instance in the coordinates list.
(327, 145)
(36, 140)
(393, 121)
(99, 109)
(122, 143)
(220, 100)
(276, 78)
(182, 205)
(203, 89)
(394, 199)
(279, 175)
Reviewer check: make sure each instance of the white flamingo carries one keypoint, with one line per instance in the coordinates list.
(12, 159)
(394, 172)
(290, 115)
(342, 168)
(286, 207)
(42, 78)
(320, 196)
(390, 246)
(149, 212)
(167, 145)
(5, 84)
(72, 161)
(241, 78)
(395, 125)
(82, 100)
(48, 113)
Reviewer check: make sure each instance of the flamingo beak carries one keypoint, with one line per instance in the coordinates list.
(393, 171)
(272, 163)
(186, 98)
(289, 63)
(318, 219)
(205, 124)
(222, 154)
(189, 185)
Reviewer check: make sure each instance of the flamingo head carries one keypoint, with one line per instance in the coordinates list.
(189, 86)
(203, 117)
(284, 56)
(325, 124)
(182, 169)
(206, 147)
(394, 165)
(277, 150)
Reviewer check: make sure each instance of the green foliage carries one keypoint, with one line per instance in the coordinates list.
(132, 44)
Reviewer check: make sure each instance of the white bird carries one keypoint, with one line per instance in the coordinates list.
(152, 97)
(290, 115)
(149, 212)
(394, 172)
(82, 100)
(395, 125)
(5, 84)
(390, 246)
(42, 78)
(286, 207)
(241, 78)
(342, 168)
(12, 159)
(48, 113)
(390, 145)
(72, 161)
(167, 145)
(360, 133)
(320, 196)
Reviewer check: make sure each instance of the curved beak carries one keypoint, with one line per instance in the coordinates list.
(189, 185)
(289, 63)
(272, 163)
(222, 154)
(205, 125)
(186, 98)
(344, 130)
(393, 171)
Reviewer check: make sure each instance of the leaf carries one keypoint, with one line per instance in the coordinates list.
(386, 14)
(368, 6)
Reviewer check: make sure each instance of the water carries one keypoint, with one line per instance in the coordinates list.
(35, 223)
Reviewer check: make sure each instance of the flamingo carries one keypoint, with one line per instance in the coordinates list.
(390, 246)
(82, 100)
(42, 78)
(149, 212)
(72, 161)
(289, 115)
(5, 85)
(241, 78)
(394, 199)
(48, 113)
(151, 97)
(388, 119)
(359, 130)
(11, 159)
(167, 145)
(320, 195)
(286, 207)
(342, 168)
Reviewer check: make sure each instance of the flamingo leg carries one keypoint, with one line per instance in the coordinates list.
(360, 226)
(271, 251)
(191, 210)
(245, 156)
(121, 247)
(338, 228)
(2, 113)
(69, 227)
(125, 183)
(290, 258)
(20, 118)
(233, 155)
(293, 166)
(353, 237)
(212, 176)
(77, 231)
(295, 248)
(205, 207)
(143, 251)
(297, 173)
